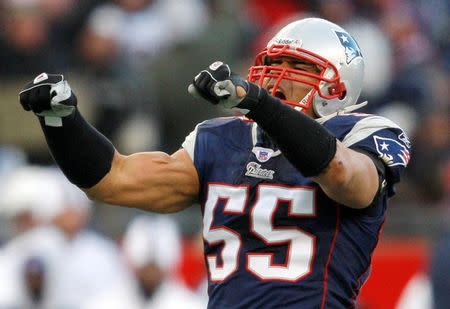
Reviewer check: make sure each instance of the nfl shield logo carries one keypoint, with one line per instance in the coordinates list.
(262, 154)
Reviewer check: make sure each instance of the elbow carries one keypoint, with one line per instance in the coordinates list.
(359, 202)
(90, 196)
(98, 193)
(337, 175)
(341, 175)
(96, 196)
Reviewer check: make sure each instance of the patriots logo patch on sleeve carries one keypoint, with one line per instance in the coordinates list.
(352, 49)
(391, 151)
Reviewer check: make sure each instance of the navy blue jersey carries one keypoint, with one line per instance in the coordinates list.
(272, 238)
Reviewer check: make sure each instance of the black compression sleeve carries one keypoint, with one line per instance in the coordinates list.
(83, 154)
(304, 142)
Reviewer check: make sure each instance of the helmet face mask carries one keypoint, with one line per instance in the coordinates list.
(338, 80)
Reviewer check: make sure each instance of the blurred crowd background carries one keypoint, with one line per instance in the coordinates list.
(130, 62)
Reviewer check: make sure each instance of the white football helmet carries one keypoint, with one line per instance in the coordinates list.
(335, 53)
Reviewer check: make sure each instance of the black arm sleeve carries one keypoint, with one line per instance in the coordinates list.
(304, 142)
(83, 154)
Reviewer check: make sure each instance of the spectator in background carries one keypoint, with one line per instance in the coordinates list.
(32, 31)
(146, 28)
(150, 30)
(432, 151)
(412, 52)
(152, 246)
(118, 88)
(90, 270)
(120, 44)
(76, 267)
(33, 278)
(25, 38)
(11, 158)
(228, 37)
(28, 196)
(66, 18)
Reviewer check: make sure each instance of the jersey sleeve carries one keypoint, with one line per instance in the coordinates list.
(189, 142)
(385, 139)
(211, 142)
(195, 145)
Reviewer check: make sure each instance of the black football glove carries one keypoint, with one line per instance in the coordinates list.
(50, 96)
(217, 84)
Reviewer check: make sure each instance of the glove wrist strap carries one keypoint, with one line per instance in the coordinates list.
(253, 97)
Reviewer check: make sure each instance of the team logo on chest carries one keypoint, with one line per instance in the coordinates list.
(254, 170)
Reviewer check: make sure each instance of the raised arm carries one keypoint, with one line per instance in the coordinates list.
(151, 181)
(349, 177)
(346, 176)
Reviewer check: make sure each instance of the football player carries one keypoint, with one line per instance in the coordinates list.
(293, 195)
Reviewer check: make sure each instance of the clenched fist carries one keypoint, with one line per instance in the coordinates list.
(48, 95)
(218, 84)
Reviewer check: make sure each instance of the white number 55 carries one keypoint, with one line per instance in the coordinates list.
(301, 245)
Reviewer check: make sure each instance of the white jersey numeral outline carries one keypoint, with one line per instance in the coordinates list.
(301, 245)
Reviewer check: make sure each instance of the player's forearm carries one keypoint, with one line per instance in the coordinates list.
(82, 153)
(304, 142)
(346, 176)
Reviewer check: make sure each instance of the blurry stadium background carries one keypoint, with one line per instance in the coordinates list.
(130, 61)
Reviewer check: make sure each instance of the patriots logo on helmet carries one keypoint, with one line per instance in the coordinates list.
(352, 49)
(391, 151)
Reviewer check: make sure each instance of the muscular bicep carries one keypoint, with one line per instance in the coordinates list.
(153, 181)
(350, 179)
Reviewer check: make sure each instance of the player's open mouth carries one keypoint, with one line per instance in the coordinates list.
(280, 95)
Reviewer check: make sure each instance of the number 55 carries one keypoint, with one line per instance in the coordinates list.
(301, 245)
